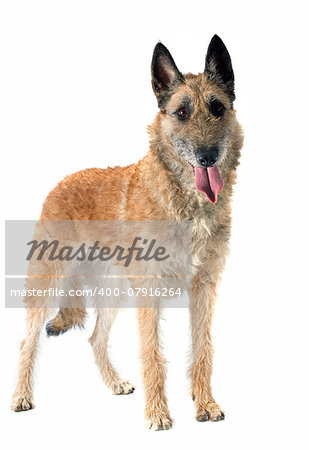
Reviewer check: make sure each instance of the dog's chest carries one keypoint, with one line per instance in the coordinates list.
(210, 239)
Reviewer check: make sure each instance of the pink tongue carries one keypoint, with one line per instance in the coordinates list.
(209, 181)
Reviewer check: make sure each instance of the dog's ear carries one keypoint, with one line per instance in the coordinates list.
(218, 66)
(164, 73)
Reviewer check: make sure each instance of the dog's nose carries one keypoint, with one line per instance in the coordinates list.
(207, 157)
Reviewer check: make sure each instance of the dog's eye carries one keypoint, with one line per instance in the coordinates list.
(182, 113)
(216, 108)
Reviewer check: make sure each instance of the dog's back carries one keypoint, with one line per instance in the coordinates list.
(91, 194)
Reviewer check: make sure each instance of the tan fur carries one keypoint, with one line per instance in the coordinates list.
(65, 319)
(159, 187)
(99, 342)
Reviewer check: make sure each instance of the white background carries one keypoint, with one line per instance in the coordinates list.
(75, 93)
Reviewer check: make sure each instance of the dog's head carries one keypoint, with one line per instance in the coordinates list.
(198, 118)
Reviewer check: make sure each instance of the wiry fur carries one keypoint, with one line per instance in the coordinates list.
(65, 319)
(159, 187)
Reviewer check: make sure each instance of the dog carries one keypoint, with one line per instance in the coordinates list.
(187, 174)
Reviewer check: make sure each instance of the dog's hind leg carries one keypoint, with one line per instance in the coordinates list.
(65, 319)
(23, 396)
(99, 343)
(72, 312)
(37, 308)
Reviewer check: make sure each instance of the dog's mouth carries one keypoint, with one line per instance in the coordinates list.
(209, 181)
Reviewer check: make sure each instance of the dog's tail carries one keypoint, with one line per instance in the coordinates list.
(66, 319)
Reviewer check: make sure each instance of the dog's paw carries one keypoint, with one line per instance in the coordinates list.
(211, 411)
(122, 388)
(52, 329)
(159, 421)
(23, 403)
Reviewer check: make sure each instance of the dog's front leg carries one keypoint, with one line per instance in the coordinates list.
(202, 304)
(153, 370)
